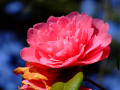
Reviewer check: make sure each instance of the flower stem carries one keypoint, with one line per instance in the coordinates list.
(92, 82)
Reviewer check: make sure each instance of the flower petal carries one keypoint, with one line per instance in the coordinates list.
(92, 57)
(106, 52)
(28, 54)
(73, 14)
(100, 25)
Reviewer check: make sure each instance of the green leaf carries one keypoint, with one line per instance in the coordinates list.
(58, 86)
(75, 82)
(72, 84)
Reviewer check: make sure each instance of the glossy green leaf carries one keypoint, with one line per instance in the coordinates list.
(58, 86)
(75, 82)
(72, 84)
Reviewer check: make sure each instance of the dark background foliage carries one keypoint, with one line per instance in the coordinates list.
(16, 16)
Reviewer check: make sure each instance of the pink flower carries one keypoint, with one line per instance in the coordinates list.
(66, 41)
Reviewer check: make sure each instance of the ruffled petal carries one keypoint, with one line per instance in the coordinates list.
(100, 26)
(84, 21)
(91, 57)
(28, 54)
(106, 52)
(73, 14)
(68, 62)
(52, 19)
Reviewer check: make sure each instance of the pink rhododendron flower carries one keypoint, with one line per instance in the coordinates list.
(66, 41)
